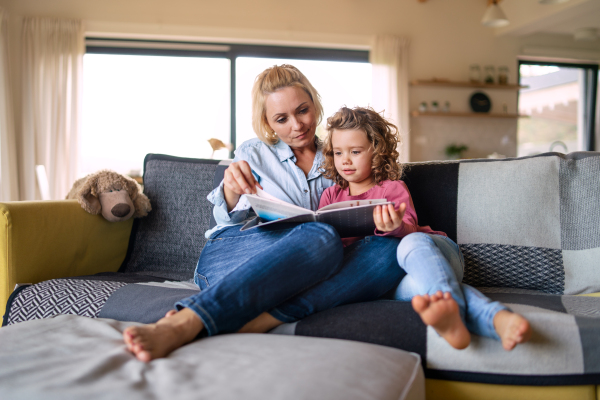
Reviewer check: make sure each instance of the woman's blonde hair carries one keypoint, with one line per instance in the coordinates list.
(382, 134)
(269, 81)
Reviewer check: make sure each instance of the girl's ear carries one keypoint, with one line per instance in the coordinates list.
(87, 195)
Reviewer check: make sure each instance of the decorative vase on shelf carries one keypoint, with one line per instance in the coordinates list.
(434, 106)
(475, 74)
(503, 75)
(423, 107)
(446, 107)
(490, 71)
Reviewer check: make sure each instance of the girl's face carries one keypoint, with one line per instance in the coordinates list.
(352, 155)
(291, 114)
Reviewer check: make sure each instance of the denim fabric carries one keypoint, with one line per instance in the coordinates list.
(274, 167)
(290, 271)
(369, 270)
(435, 262)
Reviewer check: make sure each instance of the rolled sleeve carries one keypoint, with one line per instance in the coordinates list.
(222, 216)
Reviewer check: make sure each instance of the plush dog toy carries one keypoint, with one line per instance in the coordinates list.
(117, 197)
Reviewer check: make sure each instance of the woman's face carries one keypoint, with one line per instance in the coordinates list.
(291, 114)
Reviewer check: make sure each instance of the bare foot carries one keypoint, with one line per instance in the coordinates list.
(512, 328)
(261, 324)
(148, 342)
(129, 343)
(441, 312)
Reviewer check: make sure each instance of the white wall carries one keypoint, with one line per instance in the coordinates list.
(446, 37)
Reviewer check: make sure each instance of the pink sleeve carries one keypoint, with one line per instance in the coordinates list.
(326, 197)
(398, 193)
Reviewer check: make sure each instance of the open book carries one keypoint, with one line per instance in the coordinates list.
(349, 218)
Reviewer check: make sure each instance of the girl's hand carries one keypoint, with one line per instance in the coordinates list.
(238, 180)
(387, 219)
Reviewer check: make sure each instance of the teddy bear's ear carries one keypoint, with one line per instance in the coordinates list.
(87, 195)
(141, 203)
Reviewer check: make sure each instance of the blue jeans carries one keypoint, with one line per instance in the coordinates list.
(290, 271)
(435, 262)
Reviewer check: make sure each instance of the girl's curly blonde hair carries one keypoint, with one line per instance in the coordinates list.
(382, 135)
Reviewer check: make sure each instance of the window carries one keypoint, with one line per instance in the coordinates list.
(171, 98)
(135, 105)
(560, 101)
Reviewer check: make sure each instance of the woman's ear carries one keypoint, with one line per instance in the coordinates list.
(87, 195)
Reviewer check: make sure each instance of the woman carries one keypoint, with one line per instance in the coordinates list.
(253, 281)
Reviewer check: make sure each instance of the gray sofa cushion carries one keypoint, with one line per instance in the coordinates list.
(70, 357)
(169, 240)
(531, 222)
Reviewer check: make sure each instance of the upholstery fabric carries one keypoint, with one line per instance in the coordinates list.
(529, 223)
(169, 240)
(562, 351)
(88, 360)
(42, 240)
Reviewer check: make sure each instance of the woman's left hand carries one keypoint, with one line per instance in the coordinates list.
(387, 218)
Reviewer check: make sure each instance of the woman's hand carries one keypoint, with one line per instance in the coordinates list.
(387, 219)
(238, 180)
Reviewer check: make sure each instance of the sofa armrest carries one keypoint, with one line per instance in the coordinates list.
(41, 240)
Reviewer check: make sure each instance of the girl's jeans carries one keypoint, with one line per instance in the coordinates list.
(435, 262)
(290, 271)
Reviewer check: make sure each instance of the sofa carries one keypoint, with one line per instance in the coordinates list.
(529, 229)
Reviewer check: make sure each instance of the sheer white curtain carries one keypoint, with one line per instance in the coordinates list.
(52, 78)
(389, 58)
(9, 190)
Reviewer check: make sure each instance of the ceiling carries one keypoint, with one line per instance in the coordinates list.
(529, 17)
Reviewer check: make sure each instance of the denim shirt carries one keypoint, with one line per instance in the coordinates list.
(274, 167)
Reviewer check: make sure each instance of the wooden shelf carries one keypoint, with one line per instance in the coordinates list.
(464, 114)
(449, 84)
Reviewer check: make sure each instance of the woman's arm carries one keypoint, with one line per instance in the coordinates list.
(238, 180)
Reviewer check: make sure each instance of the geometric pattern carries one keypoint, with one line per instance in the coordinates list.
(61, 296)
(495, 265)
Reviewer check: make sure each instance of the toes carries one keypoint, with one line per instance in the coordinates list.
(419, 303)
(144, 356)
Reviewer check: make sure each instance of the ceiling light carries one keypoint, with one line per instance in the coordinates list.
(494, 17)
(586, 34)
(552, 1)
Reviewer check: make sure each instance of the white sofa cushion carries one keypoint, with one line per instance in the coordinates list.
(72, 357)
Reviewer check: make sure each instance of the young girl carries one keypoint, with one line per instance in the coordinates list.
(360, 157)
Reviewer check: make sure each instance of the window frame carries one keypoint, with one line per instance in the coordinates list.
(231, 51)
(590, 83)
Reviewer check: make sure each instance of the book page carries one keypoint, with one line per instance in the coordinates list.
(270, 208)
(352, 203)
(264, 195)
